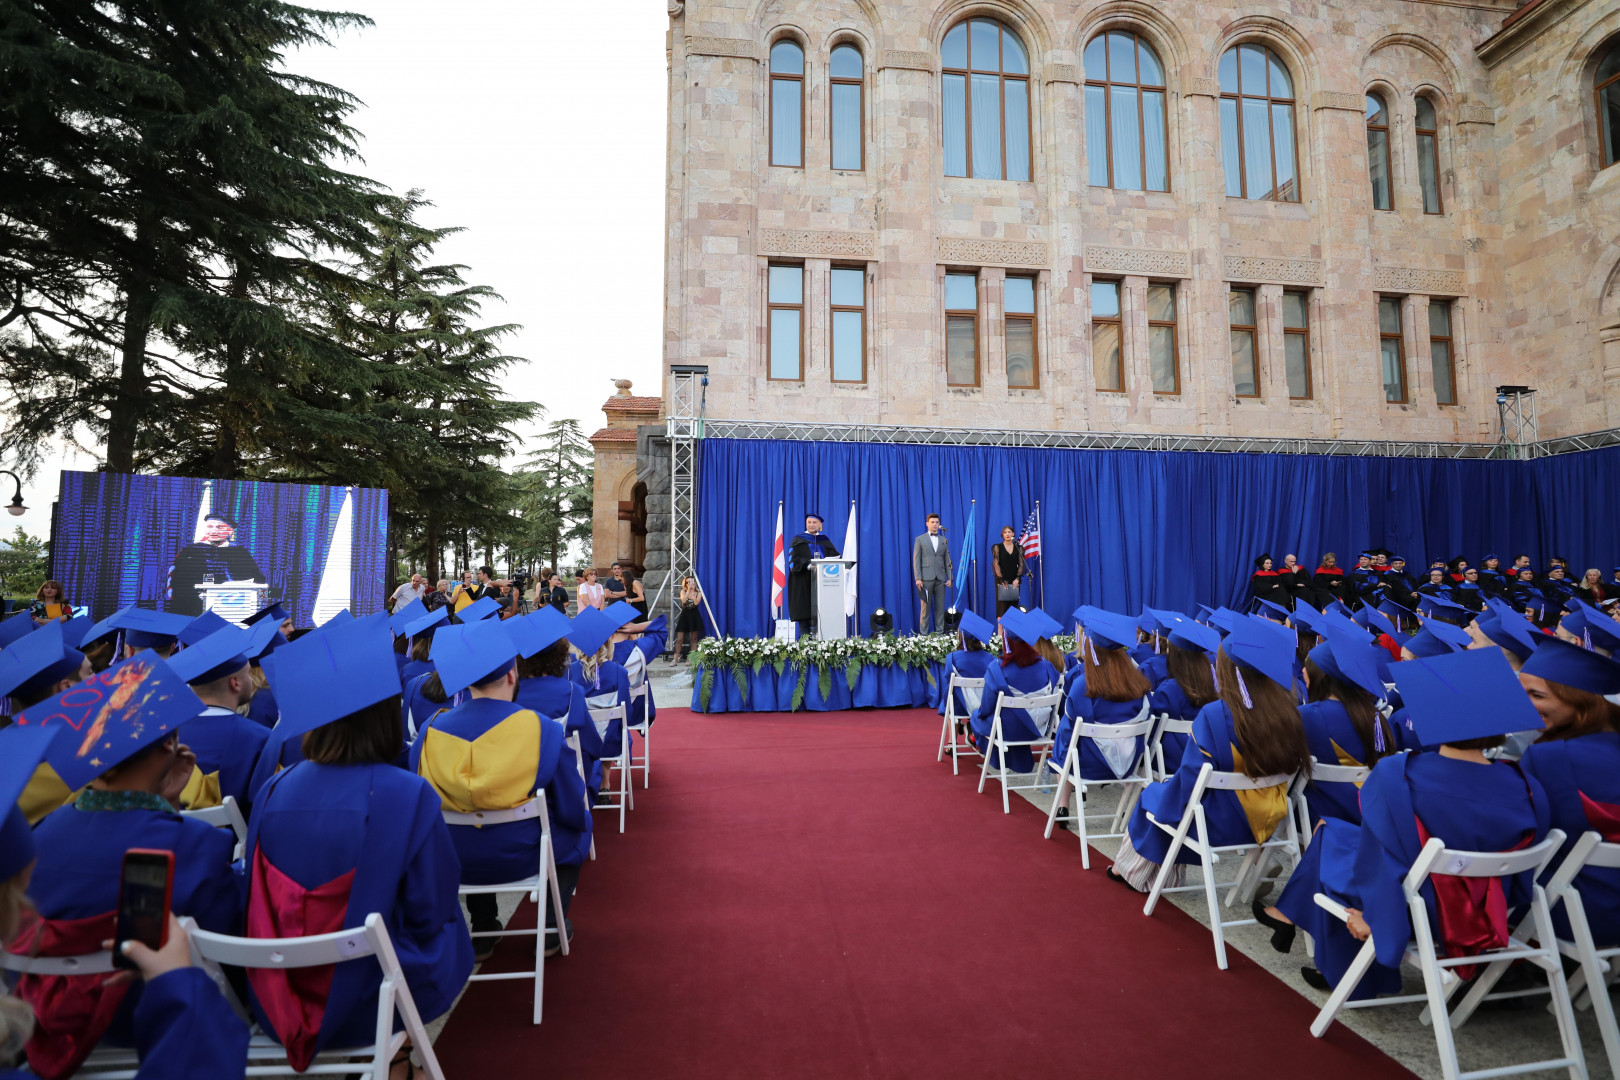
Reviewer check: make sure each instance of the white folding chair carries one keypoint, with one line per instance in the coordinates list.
(1210, 854)
(1589, 987)
(579, 766)
(948, 741)
(1172, 726)
(1131, 784)
(1440, 982)
(542, 889)
(1322, 774)
(224, 816)
(642, 693)
(623, 799)
(1038, 705)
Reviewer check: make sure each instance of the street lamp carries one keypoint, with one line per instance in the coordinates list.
(16, 509)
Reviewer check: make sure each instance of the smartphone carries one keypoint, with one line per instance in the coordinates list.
(145, 891)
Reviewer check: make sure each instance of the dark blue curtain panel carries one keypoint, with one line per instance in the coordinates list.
(1124, 528)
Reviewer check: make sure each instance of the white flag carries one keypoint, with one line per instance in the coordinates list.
(849, 571)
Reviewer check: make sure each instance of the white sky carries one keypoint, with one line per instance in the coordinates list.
(539, 127)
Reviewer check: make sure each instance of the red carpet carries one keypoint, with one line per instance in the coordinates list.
(812, 896)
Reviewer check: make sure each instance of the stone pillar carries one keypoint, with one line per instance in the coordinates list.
(817, 359)
(1268, 346)
(1610, 336)
(992, 333)
(1133, 330)
(1415, 339)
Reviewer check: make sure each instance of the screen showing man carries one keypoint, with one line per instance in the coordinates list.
(213, 558)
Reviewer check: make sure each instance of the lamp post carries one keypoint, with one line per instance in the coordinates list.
(16, 509)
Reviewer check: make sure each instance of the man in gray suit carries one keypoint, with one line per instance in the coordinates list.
(931, 570)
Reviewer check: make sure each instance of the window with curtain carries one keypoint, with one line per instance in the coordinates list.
(1391, 351)
(784, 331)
(1440, 354)
(1127, 145)
(1018, 306)
(1257, 125)
(1297, 342)
(962, 329)
(1161, 301)
(847, 297)
(787, 104)
(985, 94)
(1378, 151)
(1607, 88)
(847, 78)
(1245, 367)
(1107, 336)
(1428, 155)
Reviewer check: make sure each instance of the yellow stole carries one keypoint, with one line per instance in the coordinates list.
(492, 772)
(201, 790)
(1264, 807)
(44, 793)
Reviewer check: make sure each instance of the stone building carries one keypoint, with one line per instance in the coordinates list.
(1342, 219)
(619, 492)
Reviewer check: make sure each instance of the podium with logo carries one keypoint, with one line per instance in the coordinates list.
(830, 596)
(233, 601)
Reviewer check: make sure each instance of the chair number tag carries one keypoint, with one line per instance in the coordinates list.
(352, 945)
(1457, 864)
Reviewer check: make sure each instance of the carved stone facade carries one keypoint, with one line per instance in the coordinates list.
(1524, 253)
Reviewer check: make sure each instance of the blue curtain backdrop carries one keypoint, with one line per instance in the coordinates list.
(1123, 528)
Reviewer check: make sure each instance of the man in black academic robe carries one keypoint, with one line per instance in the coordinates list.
(212, 556)
(810, 544)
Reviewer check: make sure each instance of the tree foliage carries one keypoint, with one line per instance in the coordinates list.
(22, 564)
(554, 494)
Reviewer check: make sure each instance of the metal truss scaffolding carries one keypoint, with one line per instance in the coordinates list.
(689, 385)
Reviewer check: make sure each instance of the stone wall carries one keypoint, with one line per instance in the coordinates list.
(652, 468)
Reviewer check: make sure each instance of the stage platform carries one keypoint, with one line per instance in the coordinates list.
(818, 688)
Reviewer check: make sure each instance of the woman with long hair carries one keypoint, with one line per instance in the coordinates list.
(1342, 723)
(1591, 588)
(1009, 570)
(635, 595)
(603, 684)
(970, 661)
(1190, 660)
(1109, 689)
(1330, 581)
(1252, 728)
(689, 626)
(50, 605)
(1021, 671)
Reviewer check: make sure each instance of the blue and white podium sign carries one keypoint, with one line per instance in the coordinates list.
(830, 596)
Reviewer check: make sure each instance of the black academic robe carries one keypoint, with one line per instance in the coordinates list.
(1269, 585)
(801, 581)
(194, 561)
(1331, 584)
(1401, 588)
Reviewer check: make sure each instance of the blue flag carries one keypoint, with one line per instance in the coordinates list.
(964, 556)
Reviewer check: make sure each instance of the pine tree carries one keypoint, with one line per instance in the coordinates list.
(556, 493)
(22, 564)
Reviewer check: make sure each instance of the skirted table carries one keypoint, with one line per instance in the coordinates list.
(817, 687)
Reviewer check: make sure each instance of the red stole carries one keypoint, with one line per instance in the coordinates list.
(294, 1000)
(1604, 817)
(71, 1012)
(1472, 911)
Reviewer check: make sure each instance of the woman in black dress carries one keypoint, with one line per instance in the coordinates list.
(689, 624)
(635, 594)
(1330, 581)
(1009, 565)
(1267, 583)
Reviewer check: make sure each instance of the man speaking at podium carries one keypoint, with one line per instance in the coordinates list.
(931, 569)
(810, 544)
(211, 557)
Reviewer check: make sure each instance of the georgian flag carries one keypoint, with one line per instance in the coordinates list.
(778, 564)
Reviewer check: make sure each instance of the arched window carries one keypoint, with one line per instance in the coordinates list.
(1257, 125)
(846, 75)
(1428, 147)
(787, 104)
(1126, 142)
(1608, 105)
(986, 99)
(1378, 151)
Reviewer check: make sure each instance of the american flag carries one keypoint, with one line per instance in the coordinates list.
(1032, 535)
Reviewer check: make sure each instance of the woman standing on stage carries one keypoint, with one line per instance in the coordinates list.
(689, 626)
(1009, 566)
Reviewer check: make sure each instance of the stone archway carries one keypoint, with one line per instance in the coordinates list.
(633, 521)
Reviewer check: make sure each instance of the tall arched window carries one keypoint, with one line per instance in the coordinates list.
(1257, 125)
(846, 75)
(986, 99)
(1378, 150)
(787, 104)
(1126, 142)
(1428, 158)
(1608, 105)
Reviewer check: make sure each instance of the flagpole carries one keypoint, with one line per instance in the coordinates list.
(973, 563)
(1041, 567)
(852, 620)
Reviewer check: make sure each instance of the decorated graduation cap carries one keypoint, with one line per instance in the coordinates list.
(535, 633)
(1511, 633)
(621, 614)
(200, 627)
(480, 652)
(1018, 623)
(1443, 610)
(1106, 629)
(425, 623)
(1570, 665)
(326, 676)
(1461, 696)
(112, 716)
(222, 653)
(37, 661)
(21, 749)
(1195, 636)
(479, 610)
(400, 621)
(272, 611)
(146, 629)
(590, 630)
(1264, 647)
(1350, 661)
(1266, 609)
(977, 627)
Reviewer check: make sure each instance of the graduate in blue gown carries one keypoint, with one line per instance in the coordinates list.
(491, 753)
(38, 664)
(634, 648)
(1019, 671)
(604, 684)
(1463, 703)
(135, 768)
(345, 833)
(226, 743)
(1253, 729)
(1577, 761)
(1190, 660)
(971, 661)
(183, 1028)
(1341, 719)
(419, 629)
(1149, 655)
(1109, 689)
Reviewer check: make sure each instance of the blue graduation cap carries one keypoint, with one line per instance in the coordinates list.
(21, 749)
(1224, 619)
(1341, 618)
(1461, 696)
(111, 716)
(479, 610)
(272, 611)
(1051, 628)
(200, 627)
(264, 637)
(1452, 635)
(1511, 633)
(1605, 632)
(400, 620)
(1019, 624)
(1376, 620)
(1351, 661)
(339, 619)
(1205, 613)
(590, 630)
(1570, 665)
(1165, 619)
(222, 653)
(977, 627)
(1263, 646)
(620, 614)
(147, 629)
(38, 660)
(480, 652)
(326, 676)
(101, 629)
(1393, 611)
(1268, 610)
(1195, 636)
(1108, 630)
(534, 633)
(74, 630)
(424, 623)
(1435, 639)
(1443, 610)
(1308, 617)
(15, 628)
